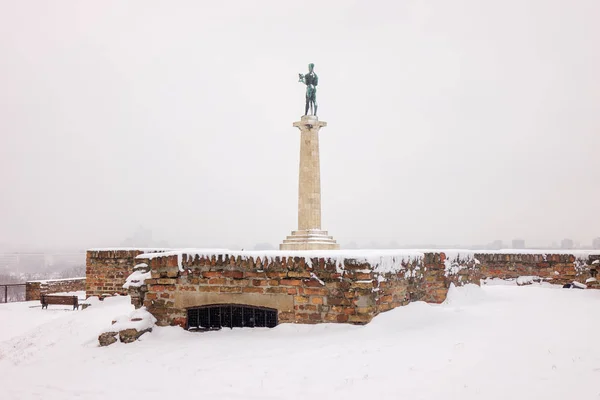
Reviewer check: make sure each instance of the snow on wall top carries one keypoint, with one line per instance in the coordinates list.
(58, 280)
(381, 260)
(144, 249)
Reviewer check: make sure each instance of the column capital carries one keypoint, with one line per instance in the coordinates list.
(308, 122)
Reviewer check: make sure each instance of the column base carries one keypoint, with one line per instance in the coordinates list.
(312, 239)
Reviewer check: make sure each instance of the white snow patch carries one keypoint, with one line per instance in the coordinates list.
(140, 266)
(465, 295)
(144, 249)
(579, 285)
(528, 280)
(511, 342)
(136, 279)
(58, 280)
(499, 282)
(145, 321)
(80, 294)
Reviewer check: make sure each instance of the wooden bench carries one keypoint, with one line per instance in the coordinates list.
(63, 300)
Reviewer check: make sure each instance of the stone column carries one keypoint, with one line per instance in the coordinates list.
(309, 182)
(309, 235)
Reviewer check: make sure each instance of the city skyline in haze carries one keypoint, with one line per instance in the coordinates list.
(448, 122)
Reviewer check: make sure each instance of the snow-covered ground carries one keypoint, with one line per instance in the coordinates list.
(499, 341)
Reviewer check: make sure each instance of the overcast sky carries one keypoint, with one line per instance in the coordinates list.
(459, 121)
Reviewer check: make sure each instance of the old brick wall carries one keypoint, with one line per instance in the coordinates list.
(323, 293)
(460, 269)
(34, 289)
(318, 291)
(315, 290)
(427, 279)
(298, 292)
(557, 268)
(107, 270)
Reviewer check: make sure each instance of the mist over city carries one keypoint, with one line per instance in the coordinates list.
(451, 125)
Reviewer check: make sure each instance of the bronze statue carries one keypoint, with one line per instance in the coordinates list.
(311, 80)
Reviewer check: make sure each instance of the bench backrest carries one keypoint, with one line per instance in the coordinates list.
(65, 300)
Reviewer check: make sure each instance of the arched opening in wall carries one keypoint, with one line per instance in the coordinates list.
(217, 316)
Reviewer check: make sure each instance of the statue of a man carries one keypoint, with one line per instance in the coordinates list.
(311, 80)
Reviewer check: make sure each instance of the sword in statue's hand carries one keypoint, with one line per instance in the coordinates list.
(301, 78)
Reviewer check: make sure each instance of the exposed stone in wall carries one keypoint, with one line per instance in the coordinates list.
(137, 290)
(462, 269)
(554, 268)
(320, 291)
(299, 293)
(107, 270)
(34, 289)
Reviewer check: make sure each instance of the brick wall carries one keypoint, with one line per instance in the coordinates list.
(300, 294)
(34, 289)
(321, 291)
(315, 290)
(107, 270)
(557, 268)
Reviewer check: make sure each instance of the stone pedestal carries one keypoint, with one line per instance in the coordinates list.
(309, 235)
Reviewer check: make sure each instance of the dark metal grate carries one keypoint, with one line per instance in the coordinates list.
(219, 316)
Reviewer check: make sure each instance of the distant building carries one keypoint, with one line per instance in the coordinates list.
(566, 244)
(596, 243)
(518, 244)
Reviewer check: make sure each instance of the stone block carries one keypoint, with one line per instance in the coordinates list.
(316, 291)
(230, 289)
(108, 338)
(131, 335)
(316, 300)
(276, 290)
(233, 274)
(360, 319)
(172, 273)
(298, 274)
(253, 289)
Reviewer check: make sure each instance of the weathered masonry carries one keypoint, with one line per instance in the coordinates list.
(299, 288)
(35, 289)
(210, 289)
(107, 269)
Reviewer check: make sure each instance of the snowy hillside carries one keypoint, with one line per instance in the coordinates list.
(493, 342)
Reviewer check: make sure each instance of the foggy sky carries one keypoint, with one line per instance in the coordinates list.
(458, 121)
